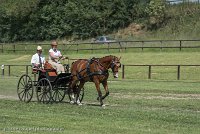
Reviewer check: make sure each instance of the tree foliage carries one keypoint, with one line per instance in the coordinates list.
(156, 11)
(49, 19)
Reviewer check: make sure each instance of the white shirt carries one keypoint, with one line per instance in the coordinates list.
(56, 53)
(35, 59)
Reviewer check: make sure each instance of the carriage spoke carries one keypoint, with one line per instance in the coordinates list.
(22, 95)
(41, 98)
(25, 96)
(55, 95)
(40, 94)
(21, 92)
(29, 93)
(22, 83)
(45, 98)
(47, 95)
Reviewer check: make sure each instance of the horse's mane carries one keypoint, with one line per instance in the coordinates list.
(112, 56)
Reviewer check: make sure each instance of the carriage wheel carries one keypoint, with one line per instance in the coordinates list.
(43, 90)
(58, 94)
(25, 88)
(81, 95)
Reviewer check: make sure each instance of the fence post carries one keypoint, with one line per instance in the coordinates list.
(180, 45)
(142, 45)
(123, 66)
(161, 45)
(120, 47)
(149, 75)
(77, 47)
(2, 67)
(2, 47)
(14, 48)
(178, 72)
(8, 70)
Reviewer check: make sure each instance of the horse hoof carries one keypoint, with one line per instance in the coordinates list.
(71, 102)
(80, 104)
(103, 105)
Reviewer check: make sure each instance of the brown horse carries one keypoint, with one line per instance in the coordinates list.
(94, 70)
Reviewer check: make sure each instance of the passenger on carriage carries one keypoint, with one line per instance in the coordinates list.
(54, 58)
(38, 59)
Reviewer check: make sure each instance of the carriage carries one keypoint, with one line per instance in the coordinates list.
(48, 86)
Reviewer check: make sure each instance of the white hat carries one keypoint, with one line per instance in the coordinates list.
(39, 48)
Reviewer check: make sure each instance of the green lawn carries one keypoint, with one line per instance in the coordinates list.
(135, 105)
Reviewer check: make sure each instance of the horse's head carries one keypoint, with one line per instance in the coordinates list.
(115, 65)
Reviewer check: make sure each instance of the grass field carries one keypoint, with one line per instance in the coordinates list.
(135, 105)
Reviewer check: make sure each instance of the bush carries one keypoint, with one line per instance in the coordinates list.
(156, 13)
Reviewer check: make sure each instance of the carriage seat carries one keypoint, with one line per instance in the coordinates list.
(36, 70)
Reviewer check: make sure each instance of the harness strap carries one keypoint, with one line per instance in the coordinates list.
(91, 74)
(88, 68)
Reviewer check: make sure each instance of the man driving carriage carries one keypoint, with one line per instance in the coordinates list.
(55, 56)
(38, 59)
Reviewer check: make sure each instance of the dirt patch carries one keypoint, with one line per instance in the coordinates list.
(8, 97)
(167, 96)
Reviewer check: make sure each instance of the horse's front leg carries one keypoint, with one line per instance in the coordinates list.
(105, 85)
(97, 84)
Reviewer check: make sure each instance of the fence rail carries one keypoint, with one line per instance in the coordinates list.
(91, 46)
(148, 75)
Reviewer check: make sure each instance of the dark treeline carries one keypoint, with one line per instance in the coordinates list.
(22, 20)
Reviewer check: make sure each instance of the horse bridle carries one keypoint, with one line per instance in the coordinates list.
(113, 64)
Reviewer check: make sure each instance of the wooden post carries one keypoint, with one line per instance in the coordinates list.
(14, 48)
(149, 75)
(8, 70)
(2, 48)
(161, 45)
(178, 72)
(2, 67)
(142, 45)
(180, 45)
(120, 47)
(108, 47)
(25, 48)
(77, 47)
(123, 73)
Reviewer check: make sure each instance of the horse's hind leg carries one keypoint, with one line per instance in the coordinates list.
(78, 93)
(97, 84)
(105, 85)
(72, 92)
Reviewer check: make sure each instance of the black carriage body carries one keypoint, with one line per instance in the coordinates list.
(62, 78)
